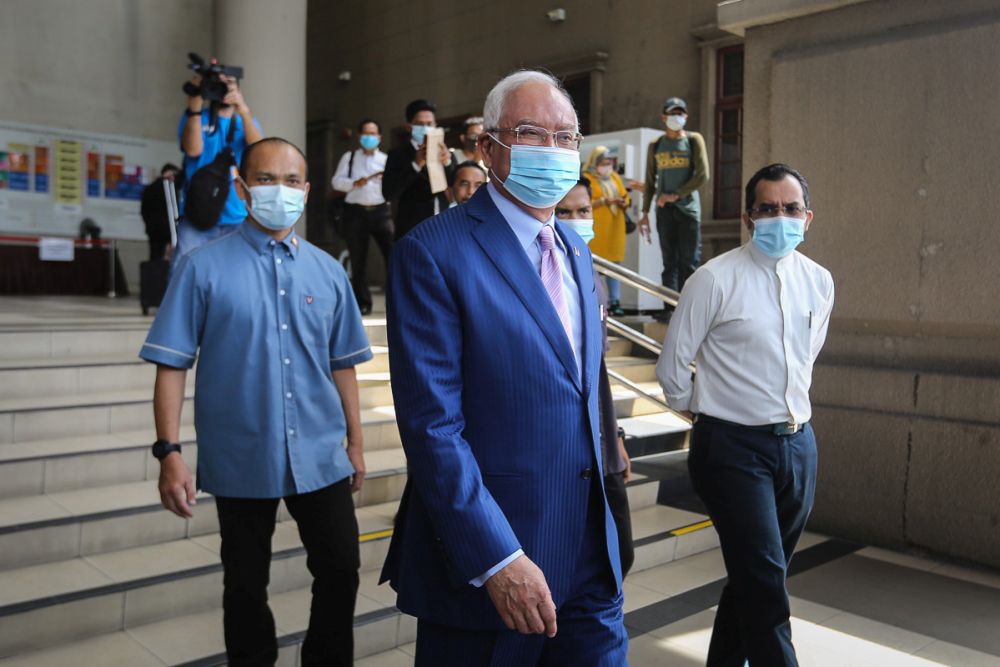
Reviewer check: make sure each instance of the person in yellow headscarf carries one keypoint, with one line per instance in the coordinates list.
(609, 199)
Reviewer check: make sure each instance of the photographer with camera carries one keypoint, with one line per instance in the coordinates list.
(217, 118)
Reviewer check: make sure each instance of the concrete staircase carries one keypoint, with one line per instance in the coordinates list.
(93, 571)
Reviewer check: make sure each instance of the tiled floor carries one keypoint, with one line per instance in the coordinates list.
(871, 608)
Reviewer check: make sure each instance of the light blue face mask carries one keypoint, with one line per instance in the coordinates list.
(418, 132)
(276, 207)
(584, 228)
(776, 237)
(369, 141)
(540, 176)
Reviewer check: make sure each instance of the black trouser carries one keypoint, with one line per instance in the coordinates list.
(157, 249)
(614, 489)
(329, 532)
(360, 222)
(680, 245)
(759, 489)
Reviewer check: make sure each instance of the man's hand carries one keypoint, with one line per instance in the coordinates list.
(644, 228)
(522, 598)
(624, 454)
(361, 182)
(355, 453)
(444, 155)
(176, 486)
(235, 96)
(666, 198)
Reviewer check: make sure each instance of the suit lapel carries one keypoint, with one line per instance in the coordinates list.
(502, 248)
(583, 273)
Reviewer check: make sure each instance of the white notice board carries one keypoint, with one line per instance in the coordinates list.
(51, 179)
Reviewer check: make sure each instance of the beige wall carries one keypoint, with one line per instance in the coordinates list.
(113, 66)
(885, 107)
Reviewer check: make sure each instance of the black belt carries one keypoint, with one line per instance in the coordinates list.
(781, 428)
(368, 207)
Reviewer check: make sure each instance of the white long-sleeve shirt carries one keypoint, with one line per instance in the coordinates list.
(369, 194)
(754, 326)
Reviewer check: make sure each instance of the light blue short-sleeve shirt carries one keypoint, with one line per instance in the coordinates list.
(267, 322)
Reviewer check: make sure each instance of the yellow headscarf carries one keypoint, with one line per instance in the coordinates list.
(609, 189)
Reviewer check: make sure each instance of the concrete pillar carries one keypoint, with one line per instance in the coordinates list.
(268, 39)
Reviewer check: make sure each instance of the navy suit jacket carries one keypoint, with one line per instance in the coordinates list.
(498, 425)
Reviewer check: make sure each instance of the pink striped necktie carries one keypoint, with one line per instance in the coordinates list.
(551, 272)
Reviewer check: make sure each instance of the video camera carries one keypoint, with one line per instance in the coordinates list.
(213, 88)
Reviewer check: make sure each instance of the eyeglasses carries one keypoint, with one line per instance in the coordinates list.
(793, 210)
(539, 136)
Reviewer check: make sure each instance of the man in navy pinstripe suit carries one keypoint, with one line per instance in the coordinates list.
(505, 548)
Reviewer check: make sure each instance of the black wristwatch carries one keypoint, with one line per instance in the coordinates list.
(621, 433)
(161, 448)
(190, 113)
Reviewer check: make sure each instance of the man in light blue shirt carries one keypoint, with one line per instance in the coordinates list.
(277, 333)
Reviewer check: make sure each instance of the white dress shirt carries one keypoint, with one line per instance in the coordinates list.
(369, 194)
(754, 326)
(526, 228)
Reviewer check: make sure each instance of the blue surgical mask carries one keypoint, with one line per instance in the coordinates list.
(540, 176)
(418, 132)
(776, 237)
(584, 228)
(369, 141)
(276, 206)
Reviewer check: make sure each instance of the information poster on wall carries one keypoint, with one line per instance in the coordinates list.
(51, 178)
(68, 170)
(41, 169)
(93, 174)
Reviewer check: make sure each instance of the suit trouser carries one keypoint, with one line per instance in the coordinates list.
(591, 630)
(759, 489)
(329, 532)
(680, 245)
(360, 223)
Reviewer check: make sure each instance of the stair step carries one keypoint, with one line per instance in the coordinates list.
(55, 376)
(122, 597)
(145, 594)
(56, 526)
(628, 403)
(636, 369)
(74, 339)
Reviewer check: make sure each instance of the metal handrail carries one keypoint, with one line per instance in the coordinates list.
(618, 377)
(629, 277)
(636, 337)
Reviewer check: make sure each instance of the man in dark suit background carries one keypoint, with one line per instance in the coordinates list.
(406, 180)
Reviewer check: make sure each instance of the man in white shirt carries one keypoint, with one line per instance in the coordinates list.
(359, 174)
(753, 320)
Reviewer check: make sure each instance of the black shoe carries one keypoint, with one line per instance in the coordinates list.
(615, 308)
(663, 315)
(366, 310)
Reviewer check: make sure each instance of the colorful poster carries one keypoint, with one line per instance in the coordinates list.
(41, 168)
(18, 167)
(113, 166)
(93, 174)
(68, 172)
(4, 170)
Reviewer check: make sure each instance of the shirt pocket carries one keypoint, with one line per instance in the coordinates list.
(316, 318)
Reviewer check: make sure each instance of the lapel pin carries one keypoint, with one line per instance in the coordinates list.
(309, 299)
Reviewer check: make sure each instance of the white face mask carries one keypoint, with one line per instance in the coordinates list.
(584, 228)
(604, 170)
(276, 206)
(676, 123)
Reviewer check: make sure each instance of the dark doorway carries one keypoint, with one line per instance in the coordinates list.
(578, 87)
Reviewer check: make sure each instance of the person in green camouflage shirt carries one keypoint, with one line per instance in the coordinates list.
(676, 166)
